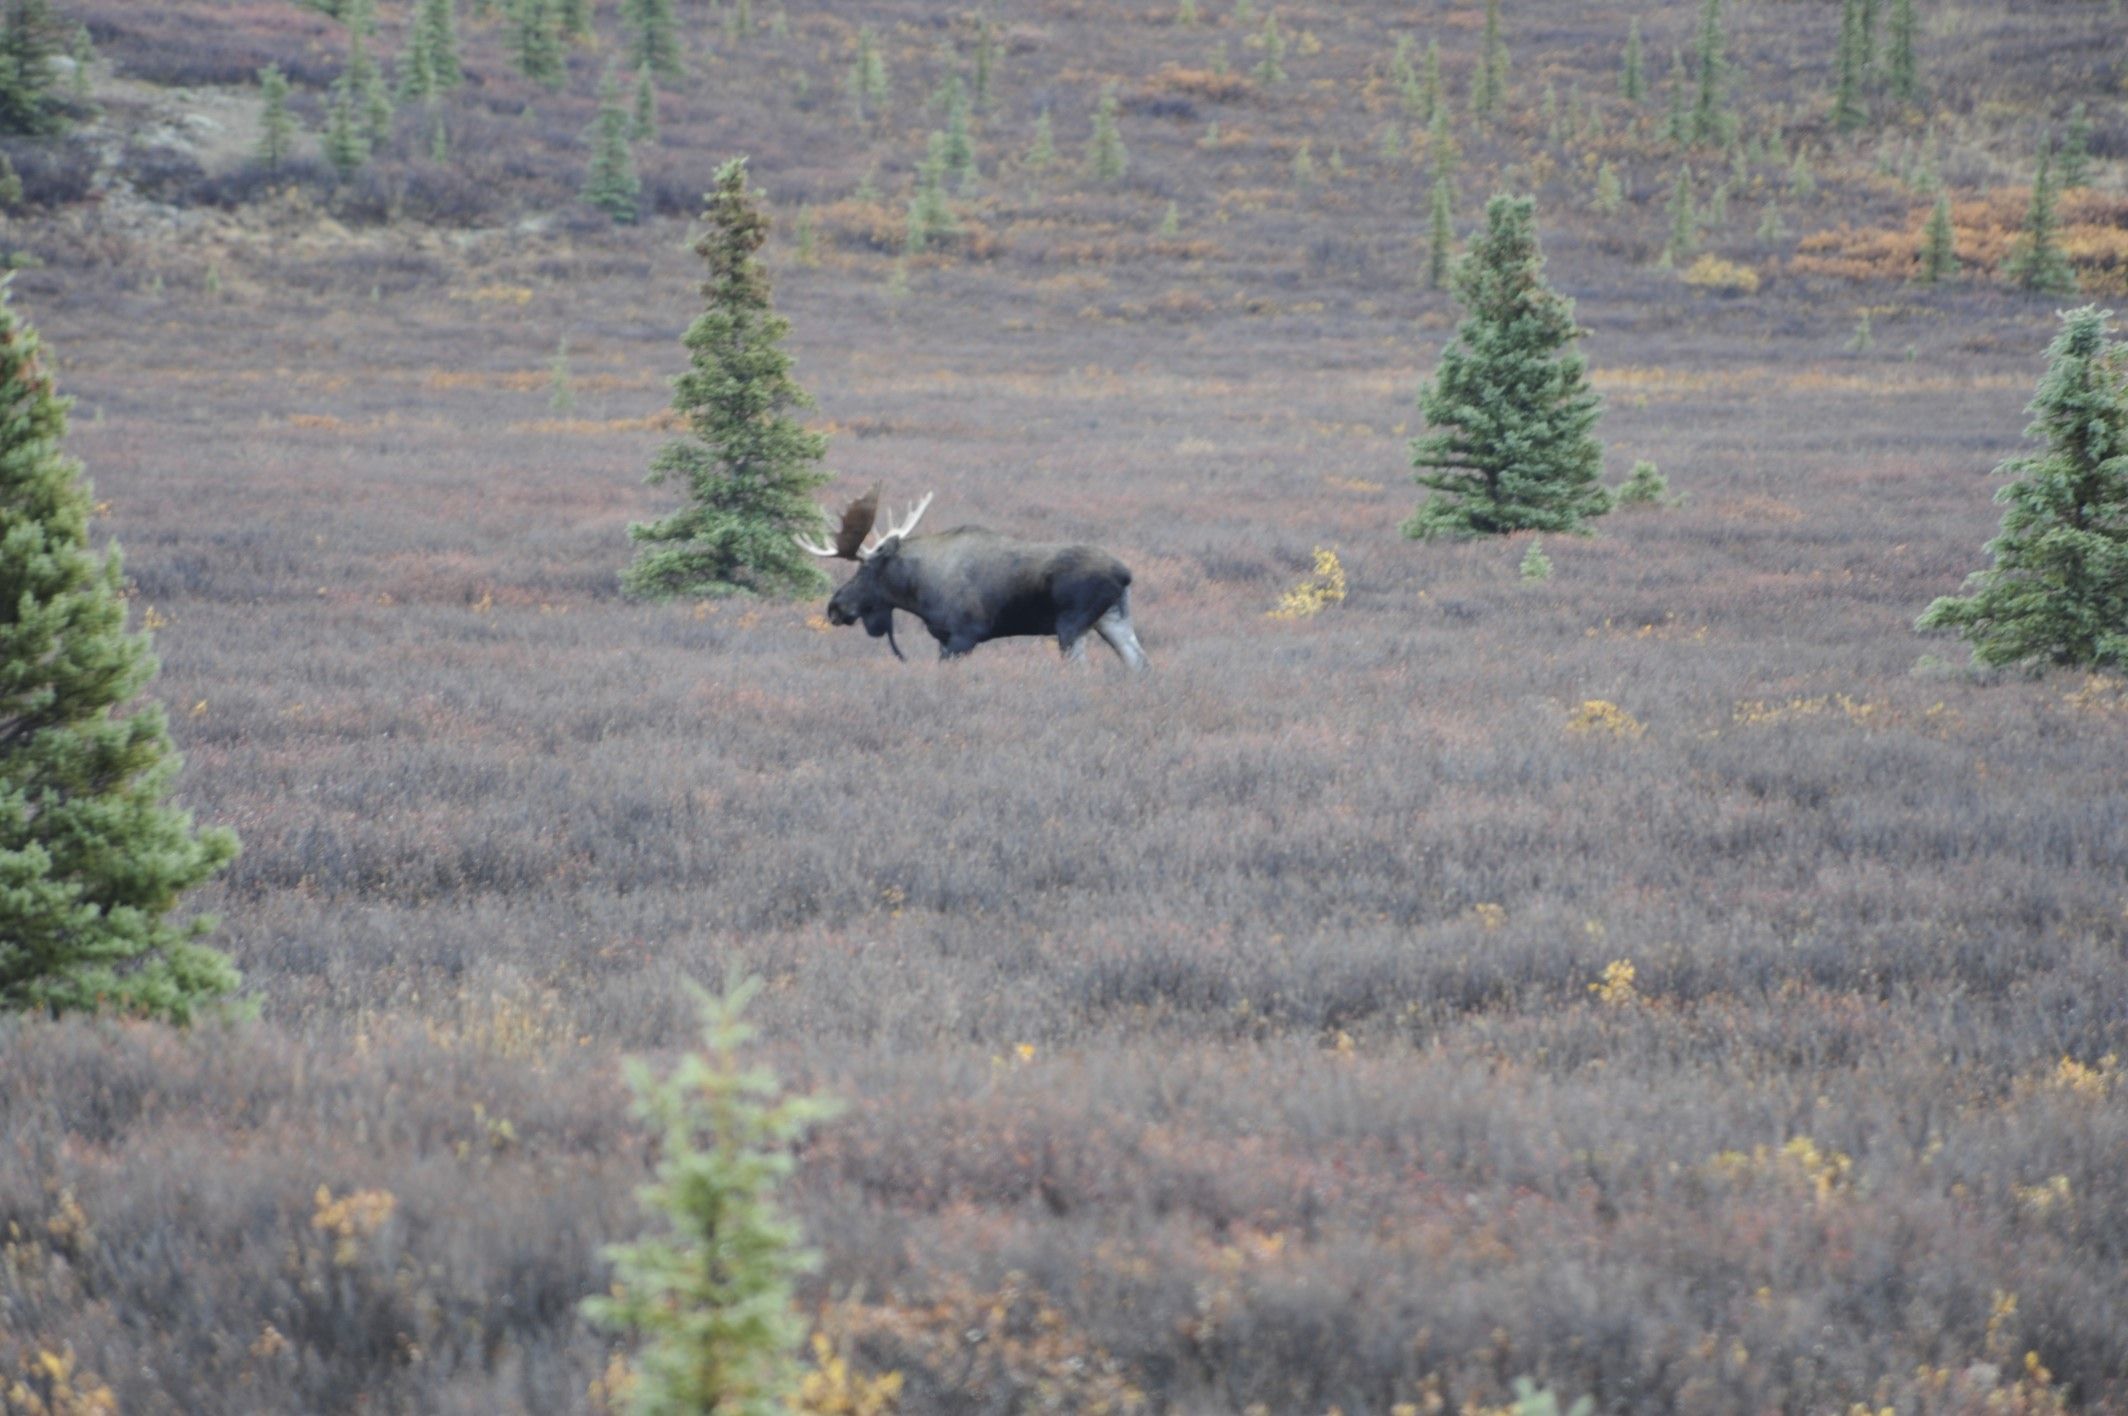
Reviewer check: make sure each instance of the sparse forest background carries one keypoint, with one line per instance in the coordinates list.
(1672, 980)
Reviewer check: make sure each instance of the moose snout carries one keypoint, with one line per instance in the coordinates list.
(838, 614)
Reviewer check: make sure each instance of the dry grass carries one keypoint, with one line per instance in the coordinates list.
(1661, 981)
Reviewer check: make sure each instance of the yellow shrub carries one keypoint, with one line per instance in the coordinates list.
(1711, 272)
(2094, 1081)
(351, 1219)
(50, 1386)
(1324, 586)
(832, 1389)
(1600, 716)
(1616, 988)
(1801, 1164)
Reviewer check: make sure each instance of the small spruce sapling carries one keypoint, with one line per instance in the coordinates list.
(611, 185)
(1684, 221)
(712, 1295)
(1270, 70)
(1711, 123)
(1106, 157)
(277, 126)
(930, 218)
(561, 396)
(867, 83)
(643, 122)
(2057, 592)
(1440, 246)
(1489, 84)
(1643, 486)
(2037, 263)
(1904, 71)
(653, 36)
(2074, 160)
(1851, 65)
(1042, 151)
(1939, 254)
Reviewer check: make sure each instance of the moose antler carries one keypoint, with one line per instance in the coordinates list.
(859, 522)
(857, 519)
(907, 524)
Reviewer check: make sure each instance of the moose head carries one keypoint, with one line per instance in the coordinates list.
(869, 595)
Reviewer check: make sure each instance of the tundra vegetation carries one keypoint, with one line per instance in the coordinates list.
(1678, 984)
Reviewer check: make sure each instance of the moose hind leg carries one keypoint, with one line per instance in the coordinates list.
(1115, 627)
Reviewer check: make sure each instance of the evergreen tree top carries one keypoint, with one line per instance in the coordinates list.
(2081, 412)
(1501, 283)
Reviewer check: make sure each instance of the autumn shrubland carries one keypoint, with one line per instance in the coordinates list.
(1674, 981)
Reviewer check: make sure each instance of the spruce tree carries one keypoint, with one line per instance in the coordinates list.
(1866, 31)
(1684, 221)
(83, 55)
(712, 1295)
(93, 858)
(1440, 246)
(1430, 84)
(417, 72)
(986, 57)
(1271, 69)
(960, 143)
(1105, 155)
(1403, 74)
(653, 36)
(868, 84)
(1510, 406)
(930, 218)
(751, 468)
(370, 101)
(2057, 591)
(1489, 84)
(346, 140)
(572, 19)
(436, 22)
(536, 42)
(277, 127)
(1441, 145)
(1905, 74)
(1610, 192)
(1939, 253)
(2037, 262)
(29, 38)
(1632, 79)
(643, 123)
(1847, 110)
(1678, 125)
(2075, 158)
(1043, 150)
(611, 185)
(1710, 122)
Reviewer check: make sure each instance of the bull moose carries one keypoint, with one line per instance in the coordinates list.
(970, 585)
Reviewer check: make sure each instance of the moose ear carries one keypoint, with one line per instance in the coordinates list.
(885, 551)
